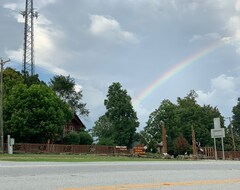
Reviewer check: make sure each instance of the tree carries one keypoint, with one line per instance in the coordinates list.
(103, 130)
(179, 119)
(120, 120)
(167, 113)
(10, 79)
(121, 115)
(236, 118)
(34, 114)
(64, 86)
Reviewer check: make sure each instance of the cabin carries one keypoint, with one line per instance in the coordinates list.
(75, 125)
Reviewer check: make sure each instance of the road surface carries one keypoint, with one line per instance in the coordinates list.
(163, 175)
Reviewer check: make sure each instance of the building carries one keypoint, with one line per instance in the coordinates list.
(75, 125)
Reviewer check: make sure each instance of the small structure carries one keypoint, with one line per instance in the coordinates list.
(75, 125)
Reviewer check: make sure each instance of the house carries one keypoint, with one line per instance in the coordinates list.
(75, 125)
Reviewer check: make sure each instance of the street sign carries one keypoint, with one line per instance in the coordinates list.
(218, 133)
(216, 123)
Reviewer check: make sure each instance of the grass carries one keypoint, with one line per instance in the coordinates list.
(68, 158)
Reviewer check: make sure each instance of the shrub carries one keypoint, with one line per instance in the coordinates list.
(85, 138)
(181, 146)
(71, 138)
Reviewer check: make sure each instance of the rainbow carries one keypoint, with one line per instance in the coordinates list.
(176, 69)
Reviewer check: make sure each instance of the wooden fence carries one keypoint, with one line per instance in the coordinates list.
(68, 149)
(210, 153)
(99, 149)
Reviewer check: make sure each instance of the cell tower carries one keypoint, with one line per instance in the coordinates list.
(28, 50)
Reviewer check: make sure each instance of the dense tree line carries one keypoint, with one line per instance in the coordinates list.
(179, 119)
(36, 112)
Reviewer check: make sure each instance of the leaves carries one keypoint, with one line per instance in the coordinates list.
(64, 87)
(179, 119)
(119, 123)
(34, 114)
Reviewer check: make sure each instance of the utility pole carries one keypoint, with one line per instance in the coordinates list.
(28, 50)
(1, 106)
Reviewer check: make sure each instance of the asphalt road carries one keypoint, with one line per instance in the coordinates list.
(164, 175)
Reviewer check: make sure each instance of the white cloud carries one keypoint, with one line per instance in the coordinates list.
(45, 37)
(109, 29)
(12, 6)
(212, 36)
(237, 5)
(78, 87)
(224, 90)
(142, 114)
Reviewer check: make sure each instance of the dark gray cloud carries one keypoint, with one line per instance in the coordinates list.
(134, 42)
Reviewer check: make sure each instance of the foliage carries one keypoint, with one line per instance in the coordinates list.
(85, 138)
(65, 88)
(236, 118)
(106, 141)
(34, 114)
(181, 146)
(119, 123)
(71, 138)
(32, 79)
(10, 79)
(103, 130)
(178, 119)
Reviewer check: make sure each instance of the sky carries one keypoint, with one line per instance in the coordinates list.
(156, 49)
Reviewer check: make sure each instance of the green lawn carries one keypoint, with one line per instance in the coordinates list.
(69, 158)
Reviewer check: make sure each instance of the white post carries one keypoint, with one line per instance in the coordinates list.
(223, 150)
(215, 148)
(10, 143)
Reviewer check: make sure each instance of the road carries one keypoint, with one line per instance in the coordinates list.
(164, 175)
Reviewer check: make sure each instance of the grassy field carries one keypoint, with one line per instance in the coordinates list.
(68, 158)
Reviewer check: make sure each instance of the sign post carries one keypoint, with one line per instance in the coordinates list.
(218, 132)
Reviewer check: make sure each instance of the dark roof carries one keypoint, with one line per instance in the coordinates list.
(78, 120)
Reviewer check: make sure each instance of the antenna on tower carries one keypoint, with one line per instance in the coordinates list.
(28, 49)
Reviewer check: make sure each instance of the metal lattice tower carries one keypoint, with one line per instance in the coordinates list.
(28, 50)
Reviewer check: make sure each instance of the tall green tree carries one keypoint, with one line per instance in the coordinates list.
(121, 115)
(34, 114)
(64, 86)
(166, 114)
(236, 118)
(120, 120)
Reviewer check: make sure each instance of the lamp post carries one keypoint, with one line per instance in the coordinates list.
(1, 106)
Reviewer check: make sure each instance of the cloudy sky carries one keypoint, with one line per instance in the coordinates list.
(157, 49)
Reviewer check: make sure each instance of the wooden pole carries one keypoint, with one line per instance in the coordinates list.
(194, 148)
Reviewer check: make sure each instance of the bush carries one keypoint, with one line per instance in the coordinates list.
(85, 138)
(71, 138)
(181, 146)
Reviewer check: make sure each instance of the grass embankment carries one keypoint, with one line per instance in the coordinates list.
(68, 158)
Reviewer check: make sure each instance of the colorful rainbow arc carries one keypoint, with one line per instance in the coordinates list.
(176, 69)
